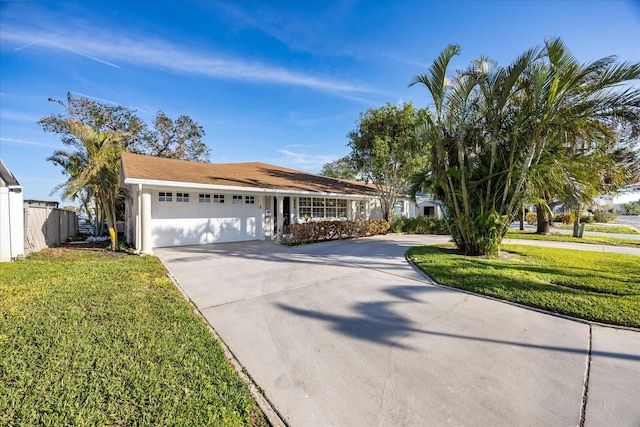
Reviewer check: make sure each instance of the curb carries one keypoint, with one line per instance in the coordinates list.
(271, 413)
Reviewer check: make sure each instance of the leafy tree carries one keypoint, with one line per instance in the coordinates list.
(343, 168)
(179, 139)
(101, 117)
(386, 149)
(492, 124)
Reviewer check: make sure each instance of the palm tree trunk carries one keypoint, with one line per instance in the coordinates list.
(543, 220)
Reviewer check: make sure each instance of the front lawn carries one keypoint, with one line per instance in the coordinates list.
(560, 237)
(603, 287)
(89, 337)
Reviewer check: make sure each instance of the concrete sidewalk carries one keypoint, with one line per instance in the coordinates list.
(347, 333)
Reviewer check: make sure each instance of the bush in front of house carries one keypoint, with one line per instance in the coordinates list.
(419, 225)
(565, 218)
(314, 231)
(531, 218)
(601, 216)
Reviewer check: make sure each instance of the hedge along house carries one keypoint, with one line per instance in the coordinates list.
(178, 202)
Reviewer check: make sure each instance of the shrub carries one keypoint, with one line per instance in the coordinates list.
(565, 218)
(531, 218)
(632, 208)
(314, 231)
(604, 216)
(587, 219)
(425, 225)
(398, 224)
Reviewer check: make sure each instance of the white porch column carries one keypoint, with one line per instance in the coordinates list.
(145, 222)
(280, 202)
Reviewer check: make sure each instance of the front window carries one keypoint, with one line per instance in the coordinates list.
(218, 198)
(320, 207)
(182, 197)
(204, 198)
(237, 200)
(164, 196)
(250, 200)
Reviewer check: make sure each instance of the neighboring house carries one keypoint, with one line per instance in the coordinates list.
(29, 203)
(405, 207)
(11, 216)
(428, 207)
(178, 202)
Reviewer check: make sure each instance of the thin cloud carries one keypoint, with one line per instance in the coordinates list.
(24, 142)
(305, 161)
(111, 49)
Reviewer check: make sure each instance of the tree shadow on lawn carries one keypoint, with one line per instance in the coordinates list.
(380, 323)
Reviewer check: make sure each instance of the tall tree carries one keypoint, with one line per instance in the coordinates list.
(179, 139)
(386, 149)
(97, 169)
(343, 168)
(101, 117)
(492, 124)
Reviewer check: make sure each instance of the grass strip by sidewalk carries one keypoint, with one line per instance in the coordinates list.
(602, 287)
(559, 237)
(101, 338)
(616, 229)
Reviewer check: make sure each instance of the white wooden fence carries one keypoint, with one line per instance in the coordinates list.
(45, 227)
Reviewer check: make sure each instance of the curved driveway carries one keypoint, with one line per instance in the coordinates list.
(347, 333)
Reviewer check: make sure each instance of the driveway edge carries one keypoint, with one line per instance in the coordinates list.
(272, 414)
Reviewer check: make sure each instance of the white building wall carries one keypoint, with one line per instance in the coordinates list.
(11, 223)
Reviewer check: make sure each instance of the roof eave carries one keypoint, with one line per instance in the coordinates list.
(200, 186)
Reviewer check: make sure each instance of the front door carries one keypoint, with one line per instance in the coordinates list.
(286, 217)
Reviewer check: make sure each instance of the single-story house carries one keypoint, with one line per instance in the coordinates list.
(11, 216)
(177, 202)
(426, 206)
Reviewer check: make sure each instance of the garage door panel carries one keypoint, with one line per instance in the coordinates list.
(194, 231)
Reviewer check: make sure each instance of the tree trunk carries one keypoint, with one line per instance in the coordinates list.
(543, 220)
(522, 219)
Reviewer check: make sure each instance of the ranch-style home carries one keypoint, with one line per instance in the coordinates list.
(178, 202)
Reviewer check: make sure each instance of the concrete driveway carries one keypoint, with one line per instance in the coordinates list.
(347, 333)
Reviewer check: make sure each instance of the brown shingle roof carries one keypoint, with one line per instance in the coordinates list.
(250, 175)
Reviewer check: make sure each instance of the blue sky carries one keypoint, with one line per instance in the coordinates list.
(277, 82)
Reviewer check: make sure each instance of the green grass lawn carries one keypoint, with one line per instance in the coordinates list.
(603, 287)
(560, 237)
(617, 229)
(89, 337)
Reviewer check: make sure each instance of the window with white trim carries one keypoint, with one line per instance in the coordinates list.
(305, 207)
(398, 207)
(204, 198)
(237, 200)
(218, 198)
(319, 207)
(182, 197)
(341, 208)
(164, 196)
(249, 200)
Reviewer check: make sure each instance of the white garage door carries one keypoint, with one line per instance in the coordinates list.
(200, 220)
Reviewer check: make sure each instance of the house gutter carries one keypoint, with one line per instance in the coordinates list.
(226, 188)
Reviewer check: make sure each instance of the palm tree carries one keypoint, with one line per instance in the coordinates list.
(93, 170)
(492, 124)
